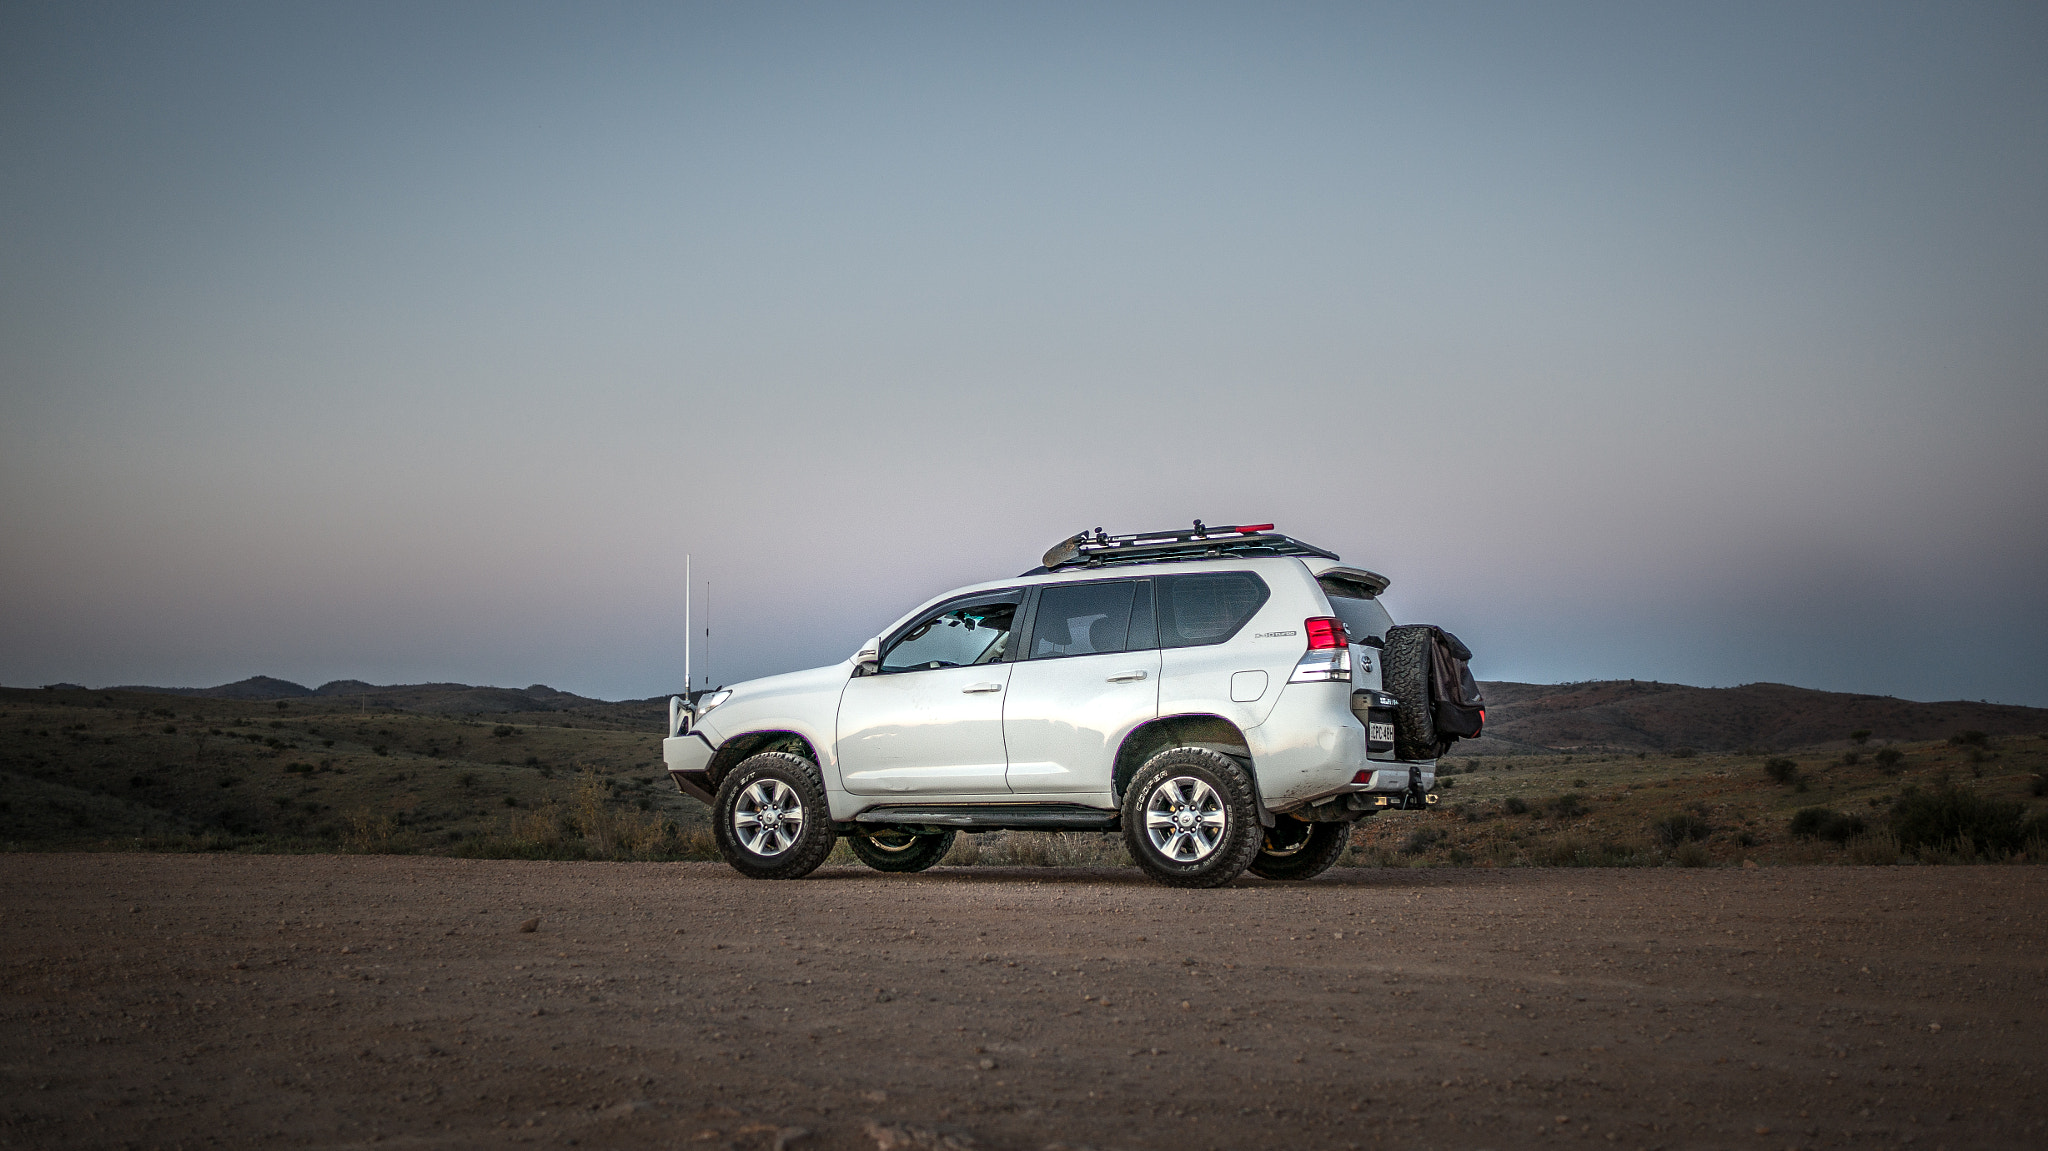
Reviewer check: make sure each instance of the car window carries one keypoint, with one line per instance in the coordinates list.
(955, 634)
(1086, 618)
(1363, 615)
(1207, 607)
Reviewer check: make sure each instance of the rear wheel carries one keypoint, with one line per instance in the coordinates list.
(770, 819)
(1190, 819)
(900, 851)
(1297, 850)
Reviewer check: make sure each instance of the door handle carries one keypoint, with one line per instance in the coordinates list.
(974, 687)
(1127, 677)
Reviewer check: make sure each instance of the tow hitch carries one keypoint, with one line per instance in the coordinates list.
(1405, 800)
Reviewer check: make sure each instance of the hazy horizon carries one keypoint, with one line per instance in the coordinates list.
(417, 344)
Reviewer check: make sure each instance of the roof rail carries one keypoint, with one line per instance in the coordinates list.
(1095, 549)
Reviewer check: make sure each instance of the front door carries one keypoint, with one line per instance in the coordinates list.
(930, 721)
(1090, 676)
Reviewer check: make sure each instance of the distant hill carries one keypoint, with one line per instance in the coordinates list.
(427, 698)
(1638, 715)
(1521, 718)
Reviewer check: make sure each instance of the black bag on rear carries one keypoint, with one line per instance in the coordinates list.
(1459, 709)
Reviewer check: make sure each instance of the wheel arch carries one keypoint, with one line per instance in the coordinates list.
(736, 749)
(1197, 730)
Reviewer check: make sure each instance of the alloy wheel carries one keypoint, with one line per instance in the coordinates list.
(1184, 819)
(768, 817)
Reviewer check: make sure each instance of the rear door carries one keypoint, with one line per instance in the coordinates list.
(930, 721)
(1089, 674)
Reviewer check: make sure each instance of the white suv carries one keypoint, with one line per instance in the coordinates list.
(1215, 694)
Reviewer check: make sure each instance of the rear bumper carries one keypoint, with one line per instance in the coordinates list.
(1312, 747)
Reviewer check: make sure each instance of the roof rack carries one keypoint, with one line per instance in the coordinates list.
(1095, 549)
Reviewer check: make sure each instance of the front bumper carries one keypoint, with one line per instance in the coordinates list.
(688, 758)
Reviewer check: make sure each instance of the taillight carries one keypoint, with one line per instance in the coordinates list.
(1325, 632)
(1328, 658)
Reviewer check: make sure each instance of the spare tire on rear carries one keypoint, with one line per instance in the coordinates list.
(1405, 675)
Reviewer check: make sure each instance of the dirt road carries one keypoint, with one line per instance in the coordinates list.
(181, 1001)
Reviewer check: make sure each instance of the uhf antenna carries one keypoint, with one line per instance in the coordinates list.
(689, 684)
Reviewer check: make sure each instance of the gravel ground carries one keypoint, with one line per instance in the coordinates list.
(289, 1001)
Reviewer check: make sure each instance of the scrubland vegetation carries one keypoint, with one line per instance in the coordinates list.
(93, 770)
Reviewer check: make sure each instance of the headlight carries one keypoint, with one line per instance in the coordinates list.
(705, 705)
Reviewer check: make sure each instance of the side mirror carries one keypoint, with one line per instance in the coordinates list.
(868, 660)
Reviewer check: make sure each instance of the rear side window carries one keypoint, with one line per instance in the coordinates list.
(1362, 614)
(1207, 607)
(1086, 618)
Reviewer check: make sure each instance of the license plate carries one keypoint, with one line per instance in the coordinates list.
(1379, 732)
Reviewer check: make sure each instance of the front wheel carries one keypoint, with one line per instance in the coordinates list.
(770, 819)
(1297, 850)
(1190, 819)
(901, 851)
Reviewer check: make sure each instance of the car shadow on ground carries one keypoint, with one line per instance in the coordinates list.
(1121, 877)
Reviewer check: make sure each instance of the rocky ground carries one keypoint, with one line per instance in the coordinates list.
(290, 1001)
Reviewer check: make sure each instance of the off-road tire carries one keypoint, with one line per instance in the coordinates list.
(1405, 675)
(900, 851)
(781, 777)
(1223, 788)
(1293, 849)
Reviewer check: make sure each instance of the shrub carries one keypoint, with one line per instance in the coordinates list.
(503, 730)
(2038, 785)
(1821, 823)
(1781, 770)
(1683, 753)
(1421, 840)
(1888, 758)
(1878, 849)
(1851, 758)
(1692, 855)
(1567, 806)
(1515, 805)
(1684, 827)
(1861, 735)
(1578, 851)
(1947, 816)
(1969, 737)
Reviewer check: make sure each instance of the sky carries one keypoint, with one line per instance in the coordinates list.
(400, 342)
